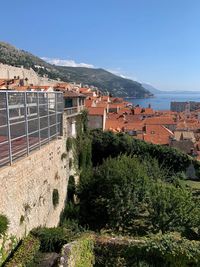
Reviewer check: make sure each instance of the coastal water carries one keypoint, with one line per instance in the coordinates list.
(162, 101)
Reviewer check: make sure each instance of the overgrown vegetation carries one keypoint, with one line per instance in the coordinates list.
(71, 189)
(3, 224)
(107, 144)
(161, 250)
(7, 245)
(25, 253)
(123, 196)
(131, 189)
(52, 239)
(80, 253)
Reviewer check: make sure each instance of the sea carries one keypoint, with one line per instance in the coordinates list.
(161, 101)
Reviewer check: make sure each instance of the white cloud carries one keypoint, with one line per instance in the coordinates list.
(118, 72)
(66, 62)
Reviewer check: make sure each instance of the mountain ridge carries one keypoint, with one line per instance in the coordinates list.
(107, 82)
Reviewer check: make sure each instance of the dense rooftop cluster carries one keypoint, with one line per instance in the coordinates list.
(169, 128)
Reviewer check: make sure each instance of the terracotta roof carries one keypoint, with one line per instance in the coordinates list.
(96, 111)
(116, 99)
(134, 126)
(114, 124)
(105, 98)
(113, 105)
(124, 110)
(102, 105)
(137, 110)
(156, 134)
(2, 82)
(160, 120)
(148, 111)
(72, 94)
(188, 124)
(88, 103)
(22, 88)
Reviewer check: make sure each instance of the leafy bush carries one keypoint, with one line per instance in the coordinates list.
(123, 195)
(3, 224)
(161, 250)
(172, 208)
(108, 144)
(52, 239)
(70, 212)
(25, 253)
(73, 228)
(114, 195)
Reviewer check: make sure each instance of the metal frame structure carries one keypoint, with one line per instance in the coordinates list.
(28, 120)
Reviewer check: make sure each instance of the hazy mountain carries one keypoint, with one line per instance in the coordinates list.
(104, 80)
(150, 88)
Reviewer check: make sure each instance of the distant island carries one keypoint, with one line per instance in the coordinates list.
(154, 90)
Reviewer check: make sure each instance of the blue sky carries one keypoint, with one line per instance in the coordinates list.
(154, 41)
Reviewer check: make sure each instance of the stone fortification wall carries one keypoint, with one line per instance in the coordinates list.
(26, 188)
(9, 72)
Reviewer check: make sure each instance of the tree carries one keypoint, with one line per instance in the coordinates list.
(115, 194)
(172, 208)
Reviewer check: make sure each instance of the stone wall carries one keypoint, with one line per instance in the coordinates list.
(9, 72)
(26, 188)
(95, 122)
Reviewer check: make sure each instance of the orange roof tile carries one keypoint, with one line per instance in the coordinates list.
(156, 134)
(88, 103)
(160, 120)
(96, 111)
(102, 105)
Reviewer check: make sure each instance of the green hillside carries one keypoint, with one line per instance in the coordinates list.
(104, 80)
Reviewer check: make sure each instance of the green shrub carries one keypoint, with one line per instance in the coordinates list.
(3, 224)
(123, 195)
(161, 250)
(72, 227)
(107, 144)
(52, 239)
(71, 212)
(25, 253)
(5, 249)
(55, 197)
